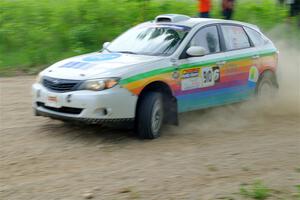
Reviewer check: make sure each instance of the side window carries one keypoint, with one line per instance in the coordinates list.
(235, 37)
(207, 38)
(255, 36)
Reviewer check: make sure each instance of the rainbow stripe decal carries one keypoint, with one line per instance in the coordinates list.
(203, 84)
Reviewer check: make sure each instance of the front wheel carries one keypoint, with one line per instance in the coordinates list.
(150, 115)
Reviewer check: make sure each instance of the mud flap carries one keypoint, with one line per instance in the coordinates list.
(171, 111)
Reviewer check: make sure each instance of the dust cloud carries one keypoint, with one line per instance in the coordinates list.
(284, 107)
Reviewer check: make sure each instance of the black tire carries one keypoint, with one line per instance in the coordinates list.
(150, 115)
(268, 80)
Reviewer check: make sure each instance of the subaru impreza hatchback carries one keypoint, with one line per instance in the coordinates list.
(158, 69)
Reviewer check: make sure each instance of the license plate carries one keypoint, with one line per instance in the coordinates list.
(53, 101)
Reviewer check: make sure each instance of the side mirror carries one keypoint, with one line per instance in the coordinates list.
(195, 51)
(105, 45)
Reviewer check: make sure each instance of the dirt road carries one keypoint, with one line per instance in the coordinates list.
(209, 156)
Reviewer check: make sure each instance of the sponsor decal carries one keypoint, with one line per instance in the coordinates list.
(199, 77)
(190, 79)
(253, 74)
(190, 73)
(102, 57)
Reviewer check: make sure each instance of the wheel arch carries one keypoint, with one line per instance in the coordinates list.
(269, 72)
(170, 101)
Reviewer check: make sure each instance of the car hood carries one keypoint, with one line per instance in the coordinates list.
(97, 65)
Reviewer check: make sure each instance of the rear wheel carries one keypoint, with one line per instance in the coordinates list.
(150, 115)
(267, 85)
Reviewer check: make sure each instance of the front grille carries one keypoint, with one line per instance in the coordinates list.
(65, 110)
(60, 85)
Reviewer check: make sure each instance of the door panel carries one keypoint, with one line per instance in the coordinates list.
(241, 69)
(235, 74)
(200, 80)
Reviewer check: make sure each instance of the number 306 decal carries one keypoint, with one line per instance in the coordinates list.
(210, 76)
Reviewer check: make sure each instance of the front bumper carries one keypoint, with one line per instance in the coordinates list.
(115, 104)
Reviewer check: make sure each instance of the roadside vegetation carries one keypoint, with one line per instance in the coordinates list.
(259, 191)
(34, 34)
(256, 191)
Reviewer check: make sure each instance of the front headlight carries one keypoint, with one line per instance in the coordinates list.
(99, 84)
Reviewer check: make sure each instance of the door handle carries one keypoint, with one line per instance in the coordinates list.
(221, 63)
(256, 57)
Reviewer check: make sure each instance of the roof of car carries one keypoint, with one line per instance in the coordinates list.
(195, 21)
(191, 22)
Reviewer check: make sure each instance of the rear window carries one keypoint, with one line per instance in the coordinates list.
(255, 36)
(235, 37)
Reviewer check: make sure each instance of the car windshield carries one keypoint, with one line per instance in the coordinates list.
(149, 40)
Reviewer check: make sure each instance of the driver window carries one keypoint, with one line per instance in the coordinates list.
(207, 38)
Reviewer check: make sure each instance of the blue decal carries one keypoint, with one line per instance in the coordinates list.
(77, 65)
(102, 57)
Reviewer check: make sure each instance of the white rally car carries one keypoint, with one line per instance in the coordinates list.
(158, 69)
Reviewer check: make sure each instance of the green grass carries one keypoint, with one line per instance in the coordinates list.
(256, 191)
(298, 192)
(34, 34)
(260, 191)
